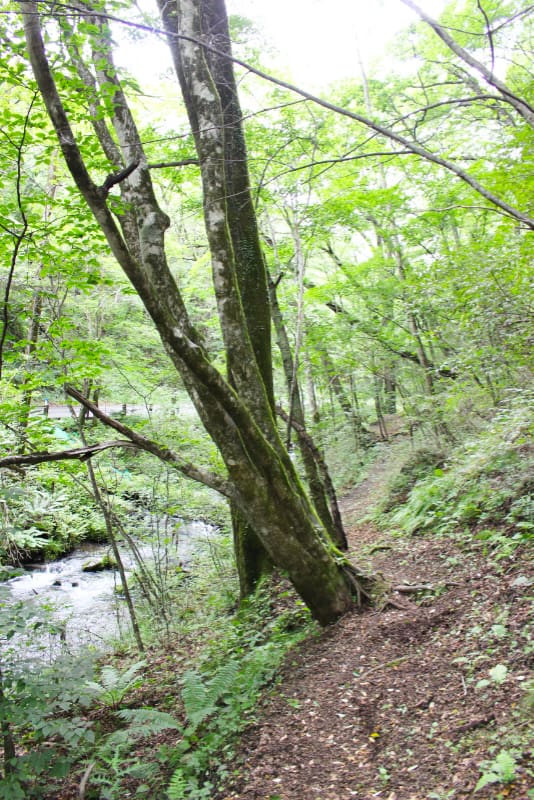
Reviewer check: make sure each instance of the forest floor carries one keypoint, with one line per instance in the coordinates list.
(388, 703)
(415, 699)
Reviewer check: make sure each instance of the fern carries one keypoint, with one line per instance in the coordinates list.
(148, 720)
(197, 701)
(224, 681)
(114, 685)
(200, 698)
(178, 786)
(138, 730)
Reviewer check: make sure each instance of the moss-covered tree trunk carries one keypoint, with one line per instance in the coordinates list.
(252, 559)
(265, 488)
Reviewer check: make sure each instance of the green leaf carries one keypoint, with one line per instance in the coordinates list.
(498, 673)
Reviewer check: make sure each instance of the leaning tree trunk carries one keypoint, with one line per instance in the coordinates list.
(252, 559)
(264, 485)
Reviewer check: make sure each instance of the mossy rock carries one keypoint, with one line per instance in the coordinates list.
(99, 564)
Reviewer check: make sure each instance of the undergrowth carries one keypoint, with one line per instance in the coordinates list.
(167, 726)
(163, 726)
(220, 697)
(485, 487)
(212, 700)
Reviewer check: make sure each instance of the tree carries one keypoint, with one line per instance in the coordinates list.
(238, 414)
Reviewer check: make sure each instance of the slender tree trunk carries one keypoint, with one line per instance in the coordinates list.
(352, 416)
(329, 514)
(8, 741)
(378, 409)
(390, 391)
(35, 318)
(323, 474)
(108, 519)
(312, 395)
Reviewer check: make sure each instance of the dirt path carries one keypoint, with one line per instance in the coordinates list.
(386, 704)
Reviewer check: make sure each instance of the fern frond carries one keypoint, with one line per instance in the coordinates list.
(196, 699)
(177, 787)
(149, 717)
(131, 672)
(224, 681)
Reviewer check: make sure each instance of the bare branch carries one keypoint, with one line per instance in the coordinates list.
(215, 482)
(524, 13)
(488, 32)
(184, 163)
(117, 177)
(520, 105)
(339, 160)
(78, 453)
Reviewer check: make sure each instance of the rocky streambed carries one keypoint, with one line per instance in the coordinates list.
(87, 607)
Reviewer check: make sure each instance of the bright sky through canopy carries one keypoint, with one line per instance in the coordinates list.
(318, 40)
(315, 41)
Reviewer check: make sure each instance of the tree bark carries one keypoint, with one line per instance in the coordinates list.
(329, 516)
(267, 490)
(253, 561)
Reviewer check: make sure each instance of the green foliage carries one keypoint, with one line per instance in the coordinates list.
(487, 482)
(200, 698)
(220, 701)
(501, 770)
(419, 465)
(111, 759)
(47, 515)
(401, 261)
(115, 684)
(41, 708)
(497, 675)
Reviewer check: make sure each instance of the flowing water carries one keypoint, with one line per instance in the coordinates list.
(86, 607)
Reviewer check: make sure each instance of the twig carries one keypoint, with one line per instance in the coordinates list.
(405, 588)
(475, 723)
(85, 780)
(393, 663)
(185, 162)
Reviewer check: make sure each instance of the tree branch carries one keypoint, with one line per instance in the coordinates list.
(78, 453)
(521, 106)
(17, 236)
(184, 163)
(488, 32)
(163, 453)
(117, 177)
(375, 126)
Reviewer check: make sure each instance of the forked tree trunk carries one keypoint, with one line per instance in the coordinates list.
(253, 561)
(264, 485)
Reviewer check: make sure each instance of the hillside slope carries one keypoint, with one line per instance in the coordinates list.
(419, 699)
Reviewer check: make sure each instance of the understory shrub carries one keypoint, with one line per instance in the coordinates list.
(420, 464)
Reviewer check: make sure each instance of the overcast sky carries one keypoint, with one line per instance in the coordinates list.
(318, 40)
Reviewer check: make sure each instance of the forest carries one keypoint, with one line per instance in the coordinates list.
(266, 406)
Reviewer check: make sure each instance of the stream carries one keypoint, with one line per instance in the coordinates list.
(85, 605)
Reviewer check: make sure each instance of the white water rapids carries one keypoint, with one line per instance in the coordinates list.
(85, 606)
